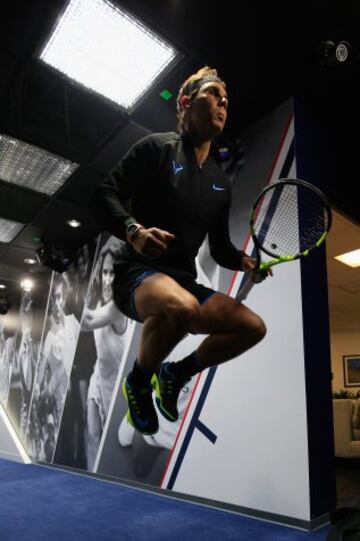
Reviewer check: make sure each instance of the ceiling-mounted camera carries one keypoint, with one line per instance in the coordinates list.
(55, 256)
(333, 53)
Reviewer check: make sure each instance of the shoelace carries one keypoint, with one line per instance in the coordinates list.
(169, 382)
(133, 399)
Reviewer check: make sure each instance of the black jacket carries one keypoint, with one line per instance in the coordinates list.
(158, 183)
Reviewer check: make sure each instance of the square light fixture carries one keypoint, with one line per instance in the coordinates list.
(9, 229)
(32, 167)
(102, 47)
(350, 258)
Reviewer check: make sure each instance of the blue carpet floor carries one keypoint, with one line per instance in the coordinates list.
(44, 504)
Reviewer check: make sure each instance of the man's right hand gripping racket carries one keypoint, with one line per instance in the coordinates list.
(289, 219)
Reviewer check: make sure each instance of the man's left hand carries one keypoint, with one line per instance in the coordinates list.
(249, 265)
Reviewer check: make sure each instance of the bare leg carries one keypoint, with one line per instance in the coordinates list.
(94, 433)
(167, 310)
(233, 329)
(82, 437)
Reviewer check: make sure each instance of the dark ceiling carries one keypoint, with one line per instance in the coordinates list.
(267, 52)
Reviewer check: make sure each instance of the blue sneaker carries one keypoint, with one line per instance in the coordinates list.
(167, 389)
(141, 413)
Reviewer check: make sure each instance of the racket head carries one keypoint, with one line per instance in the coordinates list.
(290, 218)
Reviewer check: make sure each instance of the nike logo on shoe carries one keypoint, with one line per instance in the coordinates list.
(177, 167)
(218, 188)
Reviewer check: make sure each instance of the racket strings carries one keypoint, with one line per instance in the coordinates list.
(279, 226)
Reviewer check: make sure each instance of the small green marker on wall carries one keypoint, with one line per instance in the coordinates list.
(166, 94)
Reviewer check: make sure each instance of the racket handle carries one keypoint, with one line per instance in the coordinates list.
(245, 289)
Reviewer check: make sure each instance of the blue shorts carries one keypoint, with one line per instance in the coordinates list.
(129, 278)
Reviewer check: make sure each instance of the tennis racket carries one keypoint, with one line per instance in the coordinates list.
(289, 219)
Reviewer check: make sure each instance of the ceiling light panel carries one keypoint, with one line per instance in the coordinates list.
(32, 167)
(9, 229)
(105, 49)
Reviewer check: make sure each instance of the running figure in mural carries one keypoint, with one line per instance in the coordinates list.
(110, 343)
(163, 198)
(54, 369)
(27, 356)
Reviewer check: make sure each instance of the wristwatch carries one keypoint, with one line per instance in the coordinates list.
(132, 229)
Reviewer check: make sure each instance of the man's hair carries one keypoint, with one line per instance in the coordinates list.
(191, 87)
